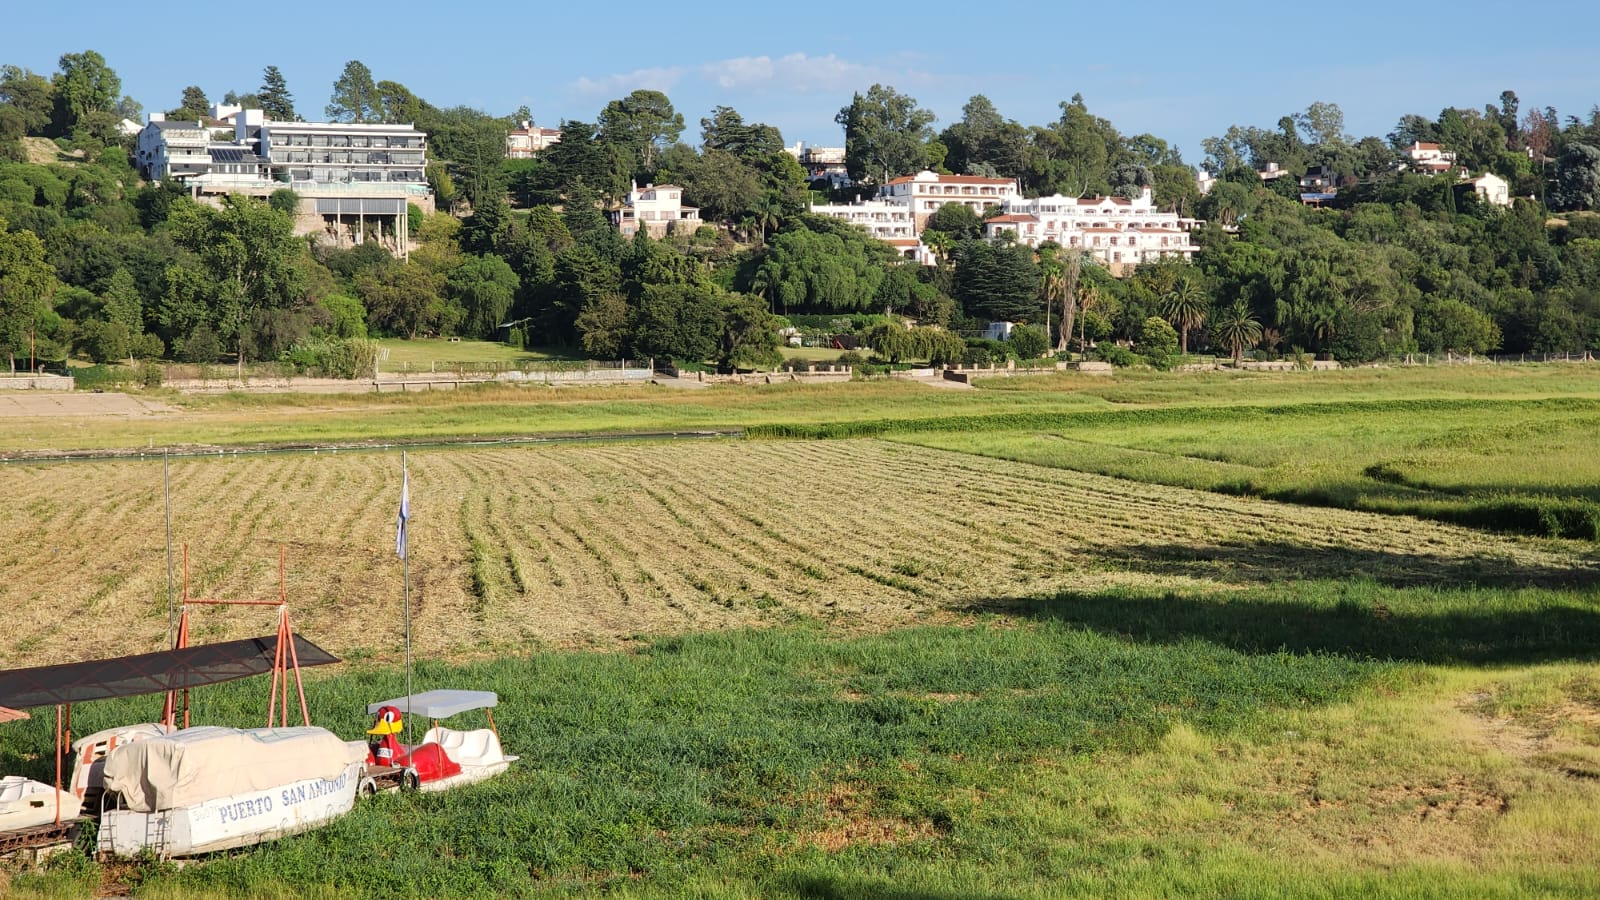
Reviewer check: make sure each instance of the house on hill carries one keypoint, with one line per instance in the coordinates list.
(1492, 188)
(1429, 159)
(658, 209)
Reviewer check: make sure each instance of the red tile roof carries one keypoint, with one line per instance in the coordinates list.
(950, 179)
(1011, 218)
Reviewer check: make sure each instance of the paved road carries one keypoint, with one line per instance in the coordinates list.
(33, 404)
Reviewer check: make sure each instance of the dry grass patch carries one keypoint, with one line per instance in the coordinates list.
(593, 545)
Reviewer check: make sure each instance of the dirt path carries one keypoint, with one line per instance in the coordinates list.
(35, 404)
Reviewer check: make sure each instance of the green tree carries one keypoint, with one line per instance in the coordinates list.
(276, 101)
(83, 86)
(472, 146)
(641, 125)
(722, 186)
(122, 303)
(885, 134)
(1029, 341)
(1236, 328)
(484, 287)
(194, 107)
(27, 282)
(28, 96)
(403, 299)
(396, 103)
(1577, 178)
(997, 281)
(605, 324)
(1157, 340)
(355, 97)
(749, 335)
(251, 247)
(1186, 307)
(679, 322)
(727, 131)
(956, 220)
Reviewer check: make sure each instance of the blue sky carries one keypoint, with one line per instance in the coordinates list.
(1175, 70)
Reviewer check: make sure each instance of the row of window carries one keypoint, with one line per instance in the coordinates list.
(345, 140)
(347, 157)
(336, 176)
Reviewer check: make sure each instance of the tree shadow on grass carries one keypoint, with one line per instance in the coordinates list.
(1363, 627)
(1279, 562)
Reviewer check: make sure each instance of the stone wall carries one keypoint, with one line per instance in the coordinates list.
(37, 382)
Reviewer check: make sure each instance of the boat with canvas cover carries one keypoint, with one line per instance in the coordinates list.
(172, 672)
(447, 758)
(205, 789)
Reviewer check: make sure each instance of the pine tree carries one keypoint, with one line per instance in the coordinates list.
(276, 101)
(354, 95)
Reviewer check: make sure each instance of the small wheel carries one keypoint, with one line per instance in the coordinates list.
(367, 788)
(410, 780)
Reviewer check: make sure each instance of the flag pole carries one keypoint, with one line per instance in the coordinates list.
(405, 558)
(166, 490)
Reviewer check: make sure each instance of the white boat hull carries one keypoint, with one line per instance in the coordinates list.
(469, 774)
(29, 804)
(238, 820)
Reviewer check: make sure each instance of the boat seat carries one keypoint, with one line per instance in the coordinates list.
(468, 748)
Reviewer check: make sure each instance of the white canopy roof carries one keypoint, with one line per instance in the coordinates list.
(438, 704)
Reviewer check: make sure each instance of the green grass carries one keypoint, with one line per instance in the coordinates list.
(420, 354)
(811, 354)
(1072, 744)
(1513, 465)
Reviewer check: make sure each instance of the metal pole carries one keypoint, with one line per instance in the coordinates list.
(406, 560)
(166, 488)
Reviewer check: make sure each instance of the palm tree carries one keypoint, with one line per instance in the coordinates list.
(1236, 328)
(1186, 307)
(767, 212)
(939, 244)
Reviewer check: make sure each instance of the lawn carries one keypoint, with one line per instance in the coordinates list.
(426, 354)
(1149, 635)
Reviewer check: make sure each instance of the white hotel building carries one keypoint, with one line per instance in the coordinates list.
(926, 191)
(1120, 232)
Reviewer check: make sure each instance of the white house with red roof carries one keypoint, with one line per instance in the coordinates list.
(926, 191)
(1429, 159)
(1119, 231)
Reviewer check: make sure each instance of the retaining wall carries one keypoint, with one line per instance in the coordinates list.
(37, 382)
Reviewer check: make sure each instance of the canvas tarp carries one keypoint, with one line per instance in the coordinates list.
(150, 673)
(199, 764)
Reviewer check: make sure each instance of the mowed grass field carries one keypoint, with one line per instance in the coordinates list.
(946, 661)
(600, 544)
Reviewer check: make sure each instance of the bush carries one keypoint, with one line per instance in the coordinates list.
(201, 346)
(1029, 341)
(284, 200)
(1118, 355)
(331, 358)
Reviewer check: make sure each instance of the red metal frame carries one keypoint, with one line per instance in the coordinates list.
(287, 656)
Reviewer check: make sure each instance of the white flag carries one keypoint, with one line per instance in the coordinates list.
(405, 515)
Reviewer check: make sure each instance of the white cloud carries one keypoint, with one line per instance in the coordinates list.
(794, 73)
(662, 78)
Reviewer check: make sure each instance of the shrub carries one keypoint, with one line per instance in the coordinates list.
(331, 358)
(1029, 341)
(1118, 355)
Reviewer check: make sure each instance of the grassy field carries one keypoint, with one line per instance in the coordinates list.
(501, 411)
(595, 544)
(422, 354)
(1044, 638)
